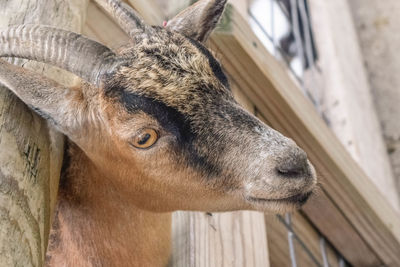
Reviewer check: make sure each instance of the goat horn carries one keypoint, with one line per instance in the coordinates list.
(86, 58)
(124, 15)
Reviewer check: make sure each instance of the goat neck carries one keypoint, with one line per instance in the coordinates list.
(94, 226)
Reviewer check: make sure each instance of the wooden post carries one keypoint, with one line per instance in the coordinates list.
(346, 99)
(220, 239)
(30, 152)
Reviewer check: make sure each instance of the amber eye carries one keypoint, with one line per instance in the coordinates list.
(145, 138)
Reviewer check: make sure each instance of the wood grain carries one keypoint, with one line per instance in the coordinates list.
(30, 152)
(346, 94)
(220, 239)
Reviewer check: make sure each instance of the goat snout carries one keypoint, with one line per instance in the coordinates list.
(293, 163)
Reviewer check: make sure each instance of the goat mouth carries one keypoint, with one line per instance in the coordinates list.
(299, 199)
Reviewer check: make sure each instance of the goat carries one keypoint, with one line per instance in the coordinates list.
(154, 128)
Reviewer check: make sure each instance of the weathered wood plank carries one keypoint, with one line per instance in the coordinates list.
(346, 94)
(242, 6)
(219, 239)
(276, 96)
(30, 152)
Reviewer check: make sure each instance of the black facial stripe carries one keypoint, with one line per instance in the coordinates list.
(171, 120)
(215, 66)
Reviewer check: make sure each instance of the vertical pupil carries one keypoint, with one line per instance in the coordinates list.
(144, 139)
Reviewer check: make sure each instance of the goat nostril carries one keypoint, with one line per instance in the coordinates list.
(292, 171)
(293, 164)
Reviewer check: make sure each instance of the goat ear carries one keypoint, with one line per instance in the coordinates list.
(61, 106)
(198, 20)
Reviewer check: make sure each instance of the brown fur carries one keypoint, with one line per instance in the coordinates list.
(211, 155)
(94, 226)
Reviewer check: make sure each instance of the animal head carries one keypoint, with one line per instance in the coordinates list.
(158, 117)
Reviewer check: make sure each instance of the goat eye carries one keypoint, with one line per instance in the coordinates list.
(145, 138)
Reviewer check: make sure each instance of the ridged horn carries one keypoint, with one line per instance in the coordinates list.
(86, 58)
(125, 16)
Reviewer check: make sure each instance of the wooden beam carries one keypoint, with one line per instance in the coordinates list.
(346, 94)
(242, 6)
(30, 152)
(345, 185)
